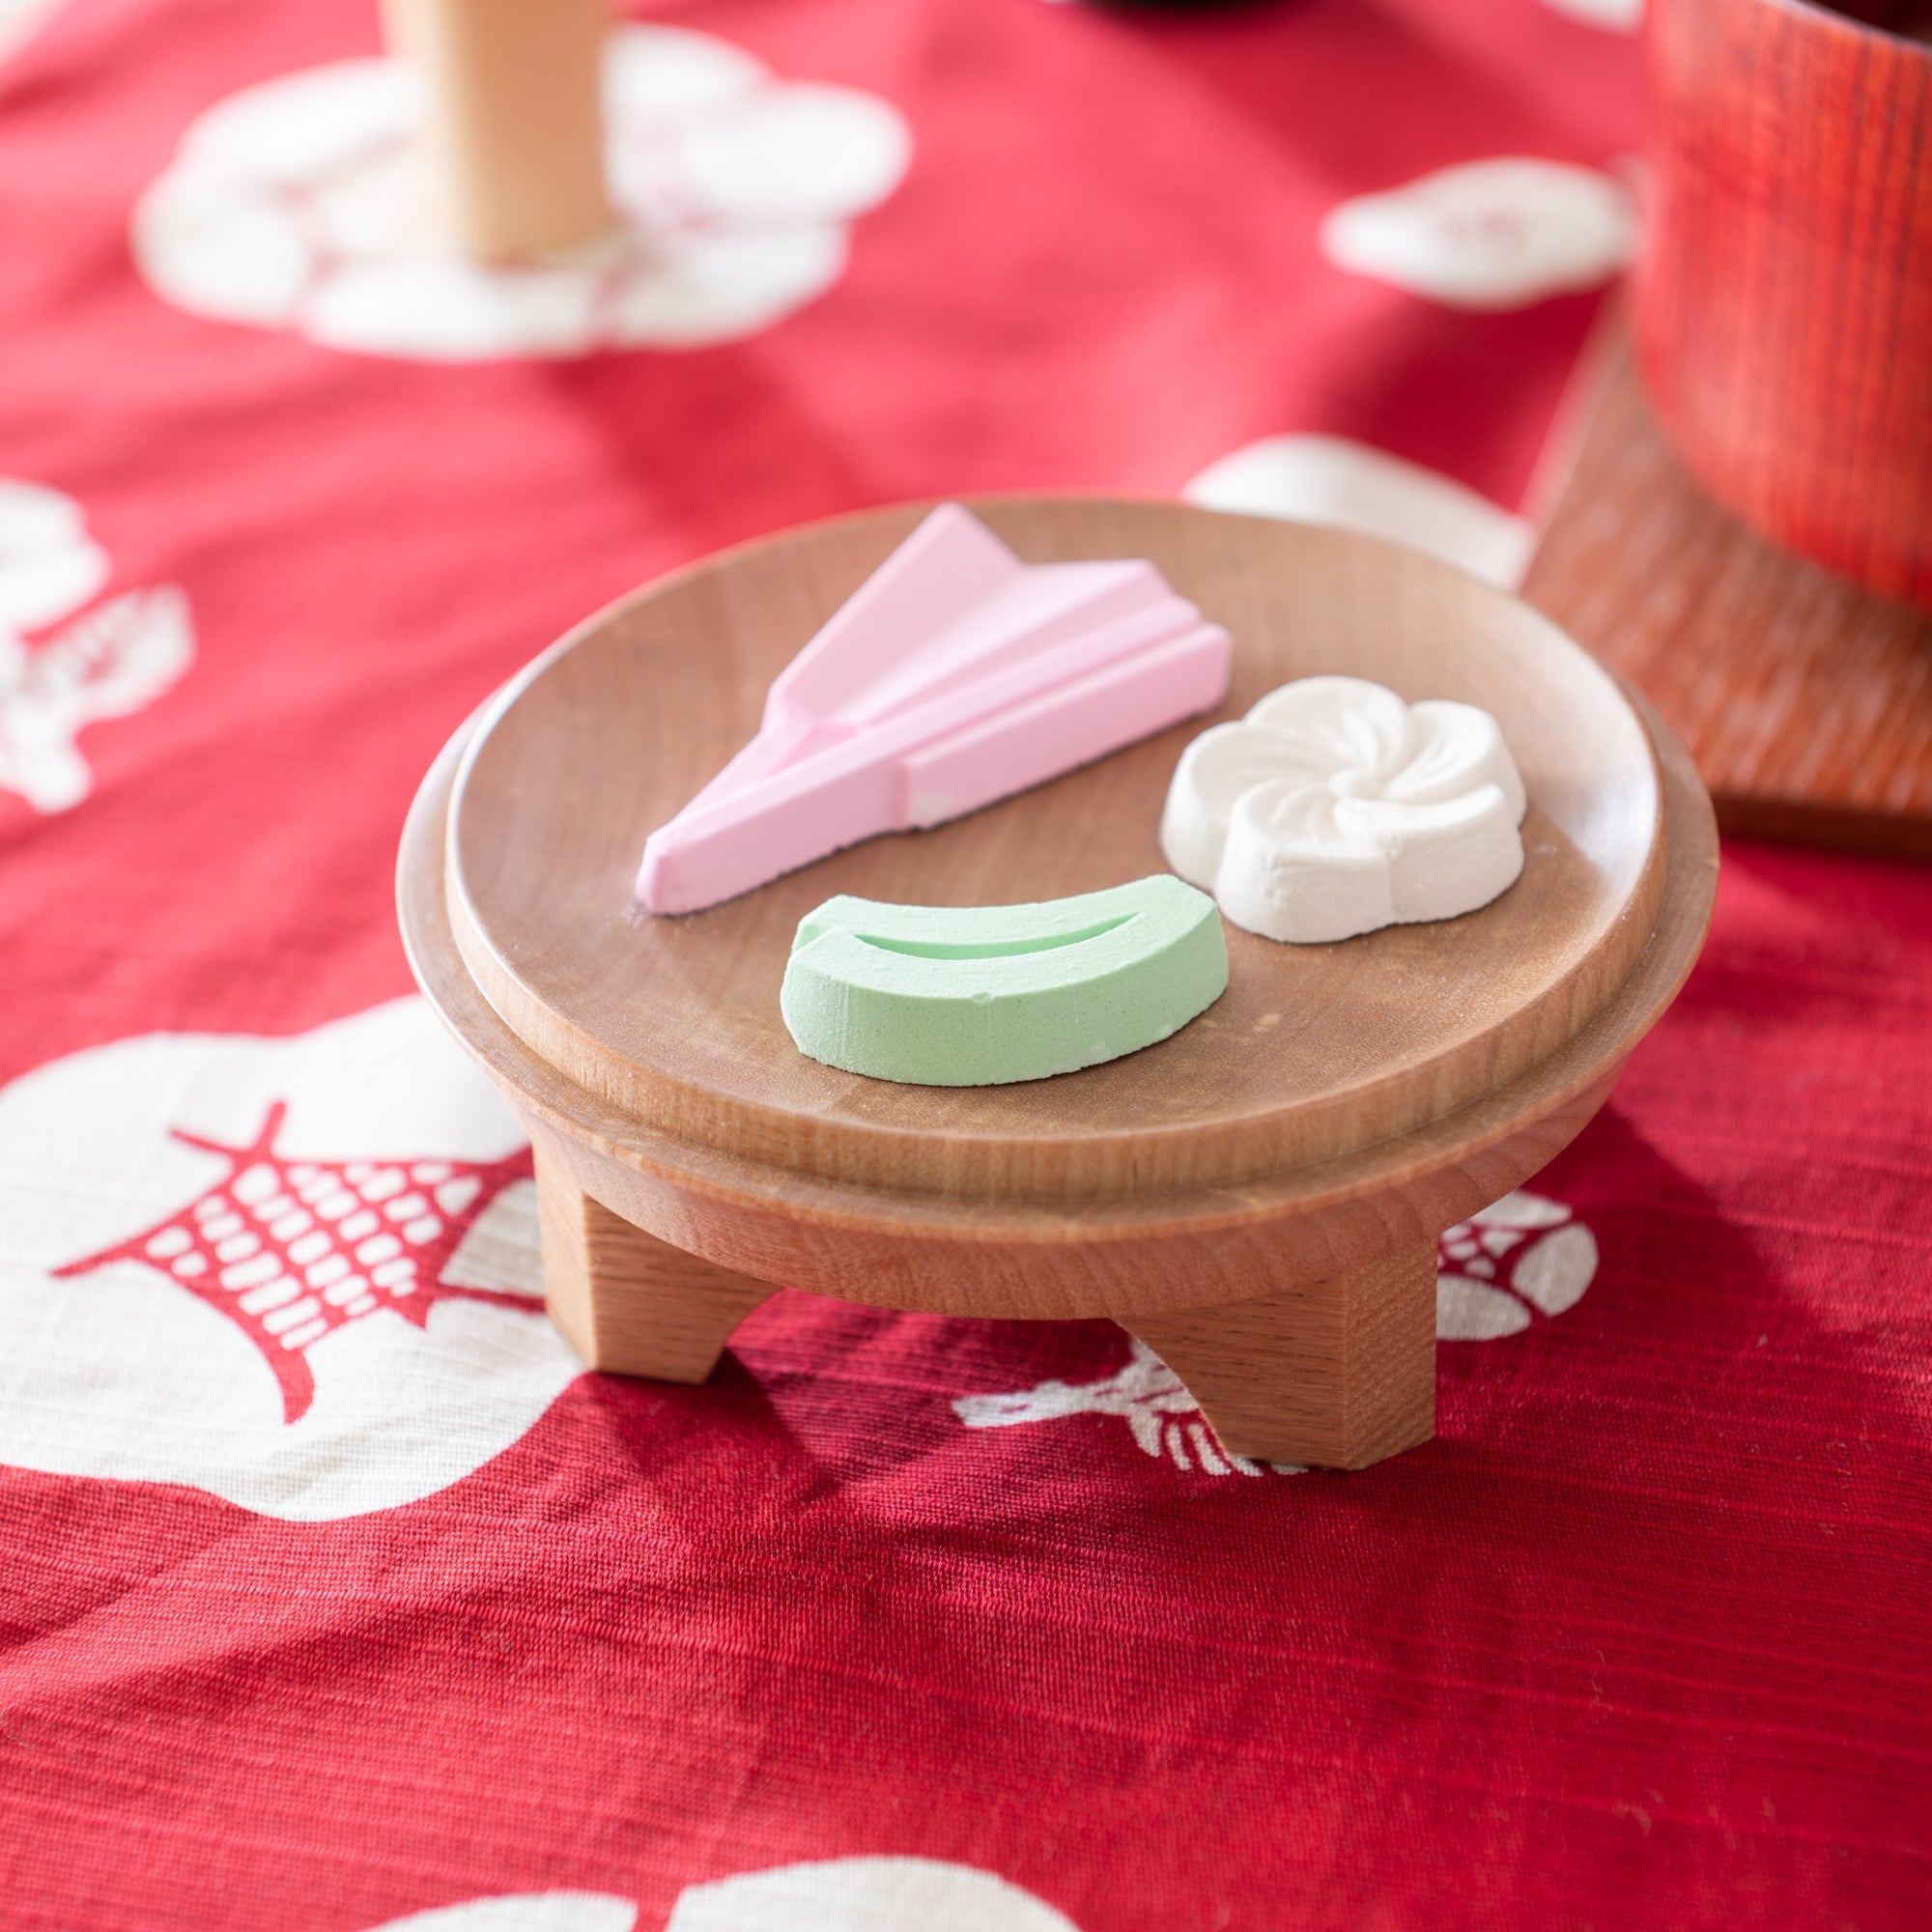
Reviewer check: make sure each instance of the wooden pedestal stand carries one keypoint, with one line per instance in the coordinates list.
(515, 125)
(1258, 1198)
(1806, 700)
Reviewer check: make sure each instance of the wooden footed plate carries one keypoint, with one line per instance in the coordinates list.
(1257, 1198)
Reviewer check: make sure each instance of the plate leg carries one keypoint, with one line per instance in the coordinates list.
(627, 1303)
(1336, 1375)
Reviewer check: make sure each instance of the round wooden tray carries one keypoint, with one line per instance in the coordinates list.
(1257, 1198)
(1313, 1052)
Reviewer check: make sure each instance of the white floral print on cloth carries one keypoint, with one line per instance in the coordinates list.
(1348, 486)
(302, 1274)
(114, 658)
(524, 1911)
(20, 20)
(1488, 234)
(1146, 1395)
(1521, 1258)
(1614, 17)
(302, 203)
(863, 1894)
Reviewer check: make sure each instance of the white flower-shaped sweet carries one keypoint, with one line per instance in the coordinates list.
(1334, 807)
(304, 203)
(1488, 234)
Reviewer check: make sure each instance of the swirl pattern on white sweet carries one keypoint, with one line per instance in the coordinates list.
(1334, 808)
(1488, 234)
(304, 204)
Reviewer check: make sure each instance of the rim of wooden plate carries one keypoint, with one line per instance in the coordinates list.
(1314, 1052)
(1344, 1211)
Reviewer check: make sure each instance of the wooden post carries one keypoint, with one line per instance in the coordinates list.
(626, 1301)
(1338, 1375)
(515, 133)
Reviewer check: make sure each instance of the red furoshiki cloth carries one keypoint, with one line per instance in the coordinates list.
(332, 1591)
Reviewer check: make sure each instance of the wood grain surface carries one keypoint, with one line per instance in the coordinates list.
(1297, 1309)
(1313, 1051)
(1783, 293)
(1336, 1374)
(626, 1301)
(1309, 1336)
(1806, 701)
(1122, 1255)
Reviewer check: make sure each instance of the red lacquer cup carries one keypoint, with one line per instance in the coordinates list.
(1784, 289)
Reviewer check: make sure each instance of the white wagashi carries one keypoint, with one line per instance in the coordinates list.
(1334, 807)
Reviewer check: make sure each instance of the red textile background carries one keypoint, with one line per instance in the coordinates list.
(1644, 1638)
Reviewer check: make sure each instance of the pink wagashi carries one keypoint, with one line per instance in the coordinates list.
(955, 675)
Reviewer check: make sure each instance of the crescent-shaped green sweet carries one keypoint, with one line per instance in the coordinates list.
(976, 996)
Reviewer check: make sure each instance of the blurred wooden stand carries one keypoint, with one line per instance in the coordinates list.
(515, 132)
(1805, 701)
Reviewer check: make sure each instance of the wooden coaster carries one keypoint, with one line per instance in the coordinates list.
(1257, 1199)
(1805, 701)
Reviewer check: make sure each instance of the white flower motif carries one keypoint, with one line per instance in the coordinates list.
(113, 660)
(49, 564)
(878, 1895)
(1163, 1418)
(862, 1895)
(1482, 1294)
(1614, 17)
(1348, 486)
(1523, 1257)
(1488, 234)
(20, 20)
(304, 203)
(1334, 808)
(524, 1911)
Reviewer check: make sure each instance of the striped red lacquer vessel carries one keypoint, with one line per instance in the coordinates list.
(1784, 290)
